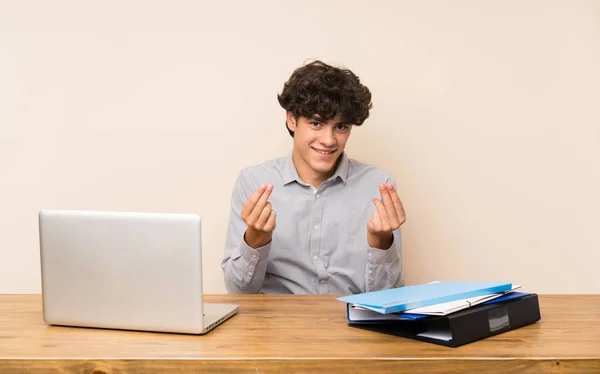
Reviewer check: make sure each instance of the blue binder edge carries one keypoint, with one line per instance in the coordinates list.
(389, 308)
(414, 317)
(398, 317)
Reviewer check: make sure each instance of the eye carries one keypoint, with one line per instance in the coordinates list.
(342, 128)
(315, 124)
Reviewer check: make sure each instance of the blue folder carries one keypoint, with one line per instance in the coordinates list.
(370, 317)
(396, 300)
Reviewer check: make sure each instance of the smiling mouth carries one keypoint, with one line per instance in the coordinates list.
(323, 152)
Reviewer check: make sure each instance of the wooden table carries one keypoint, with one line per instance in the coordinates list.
(296, 333)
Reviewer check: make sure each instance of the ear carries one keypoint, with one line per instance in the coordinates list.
(291, 121)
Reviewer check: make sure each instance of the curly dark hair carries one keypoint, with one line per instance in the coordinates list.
(327, 91)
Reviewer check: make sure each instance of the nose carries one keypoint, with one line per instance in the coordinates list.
(328, 138)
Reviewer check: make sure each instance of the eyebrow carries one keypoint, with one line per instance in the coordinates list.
(317, 118)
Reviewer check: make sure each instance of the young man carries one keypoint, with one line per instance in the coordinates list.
(336, 229)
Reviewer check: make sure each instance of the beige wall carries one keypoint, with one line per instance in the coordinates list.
(485, 112)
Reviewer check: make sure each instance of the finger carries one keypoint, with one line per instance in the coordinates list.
(260, 204)
(389, 206)
(398, 207)
(374, 223)
(376, 220)
(385, 220)
(270, 225)
(252, 200)
(264, 216)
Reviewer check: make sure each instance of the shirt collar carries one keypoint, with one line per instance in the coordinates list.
(343, 168)
(290, 174)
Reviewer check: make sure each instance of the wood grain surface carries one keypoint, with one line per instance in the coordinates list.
(296, 333)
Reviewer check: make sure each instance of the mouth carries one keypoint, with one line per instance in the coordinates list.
(324, 152)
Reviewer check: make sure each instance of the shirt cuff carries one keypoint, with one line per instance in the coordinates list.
(384, 256)
(255, 255)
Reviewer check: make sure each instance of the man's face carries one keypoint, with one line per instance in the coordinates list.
(318, 144)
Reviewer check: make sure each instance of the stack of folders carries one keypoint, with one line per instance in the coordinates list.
(450, 313)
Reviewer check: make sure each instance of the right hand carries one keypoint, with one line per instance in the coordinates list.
(259, 216)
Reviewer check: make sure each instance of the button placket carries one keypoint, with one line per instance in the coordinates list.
(316, 231)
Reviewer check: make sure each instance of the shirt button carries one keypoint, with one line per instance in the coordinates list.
(318, 196)
(315, 258)
(370, 254)
(316, 227)
(322, 281)
(371, 272)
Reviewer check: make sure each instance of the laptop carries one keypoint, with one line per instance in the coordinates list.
(124, 270)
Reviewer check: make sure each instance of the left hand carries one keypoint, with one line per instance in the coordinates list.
(388, 216)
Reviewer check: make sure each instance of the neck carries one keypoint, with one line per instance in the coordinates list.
(310, 176)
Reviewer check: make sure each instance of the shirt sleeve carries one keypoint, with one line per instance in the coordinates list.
(384, 267)
(243, 266)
